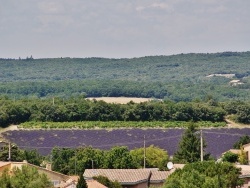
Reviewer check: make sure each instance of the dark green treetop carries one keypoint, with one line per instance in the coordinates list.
(190, 146)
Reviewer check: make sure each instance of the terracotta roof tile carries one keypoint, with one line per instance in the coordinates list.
(74, 178)
(95, 184)
(123, 176)
(159, 176)
(2, 163)
(90, 182)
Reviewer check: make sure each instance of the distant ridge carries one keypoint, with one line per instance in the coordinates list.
(177, 77)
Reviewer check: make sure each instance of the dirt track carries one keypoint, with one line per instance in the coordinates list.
(232, 124)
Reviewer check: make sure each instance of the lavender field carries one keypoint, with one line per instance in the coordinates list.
(218, 140)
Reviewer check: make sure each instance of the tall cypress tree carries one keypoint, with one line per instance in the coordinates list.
(190, 146)
(81, 182)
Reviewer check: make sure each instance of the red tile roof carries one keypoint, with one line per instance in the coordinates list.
(3, 163)
(95, 184)
(90, 182)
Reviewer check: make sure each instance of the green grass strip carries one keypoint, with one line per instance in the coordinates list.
(116, 124)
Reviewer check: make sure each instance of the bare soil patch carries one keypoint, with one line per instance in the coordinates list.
(233, 124)
(120, 100)
(10, 128)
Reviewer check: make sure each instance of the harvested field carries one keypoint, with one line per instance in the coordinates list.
(121, 100)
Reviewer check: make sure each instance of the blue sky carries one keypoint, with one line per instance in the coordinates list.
(122, 28)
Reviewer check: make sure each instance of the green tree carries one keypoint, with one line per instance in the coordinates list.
(24, 177)
(16, 153)
(5, 179)
(189, 147)
(207, 174)
(75, 160)
(4, 117)
(33, 157)
(81, 182)
(242, 158)
(18, 113)
(119, 157)
(61, 158)
(230, 157)
(155, 157)
(85, 157)
(242, 141)
(243, 114)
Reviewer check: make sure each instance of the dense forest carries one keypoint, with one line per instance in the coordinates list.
(182, 77)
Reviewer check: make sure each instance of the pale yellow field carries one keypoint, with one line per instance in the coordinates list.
(120, 100)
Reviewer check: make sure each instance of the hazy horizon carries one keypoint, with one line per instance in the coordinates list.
(120, 57)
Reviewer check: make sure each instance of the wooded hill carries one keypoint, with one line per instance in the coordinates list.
(182, 77)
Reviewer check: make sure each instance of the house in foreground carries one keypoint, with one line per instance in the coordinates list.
(131, 178)
(245, 175)
(246, 149)
(245, 169)
(90, 182)
(58, 180)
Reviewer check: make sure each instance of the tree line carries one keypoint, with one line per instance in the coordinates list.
(80, 109)
(74, 160)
